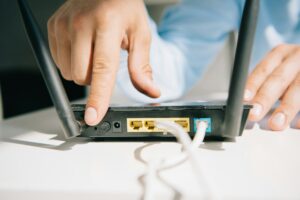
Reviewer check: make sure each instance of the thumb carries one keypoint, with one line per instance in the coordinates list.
(139, 68)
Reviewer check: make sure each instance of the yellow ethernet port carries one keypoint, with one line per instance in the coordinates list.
(141, 125)
(136, 125)
(182, 123)
(149, 125)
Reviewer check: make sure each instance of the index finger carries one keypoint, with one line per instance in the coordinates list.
(105, 63)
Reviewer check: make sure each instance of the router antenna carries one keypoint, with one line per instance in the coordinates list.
(234, 107)
(49, 72)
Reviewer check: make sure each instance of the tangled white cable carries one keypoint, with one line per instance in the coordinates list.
(189, 147)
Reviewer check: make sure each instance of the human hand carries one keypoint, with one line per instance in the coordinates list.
(85, 39)
(276, 77)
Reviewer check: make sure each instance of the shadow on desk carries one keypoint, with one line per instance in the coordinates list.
(41, 129)
(53, 143)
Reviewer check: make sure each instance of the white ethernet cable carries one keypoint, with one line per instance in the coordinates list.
(189, 153)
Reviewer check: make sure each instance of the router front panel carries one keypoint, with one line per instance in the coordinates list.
(138, 121)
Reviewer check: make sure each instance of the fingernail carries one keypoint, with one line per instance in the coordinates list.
(90, 115)
(248, 95)
(256, 110)
(279, 119)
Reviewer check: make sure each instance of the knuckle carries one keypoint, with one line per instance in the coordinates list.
(264, 70)
(147, 69)
(110, 16)
(264, 97)
(278, 78)
(253, 83)
(138, 72)
(61, 23)
(102, 66)
(268, 65)
(78, 21)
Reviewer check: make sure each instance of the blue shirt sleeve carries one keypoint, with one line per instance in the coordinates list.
(187, 40)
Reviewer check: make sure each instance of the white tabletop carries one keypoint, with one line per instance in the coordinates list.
(37, 164)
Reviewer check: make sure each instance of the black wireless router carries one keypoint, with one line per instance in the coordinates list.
(225, 119)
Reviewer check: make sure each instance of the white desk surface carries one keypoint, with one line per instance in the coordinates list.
(36, 164)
